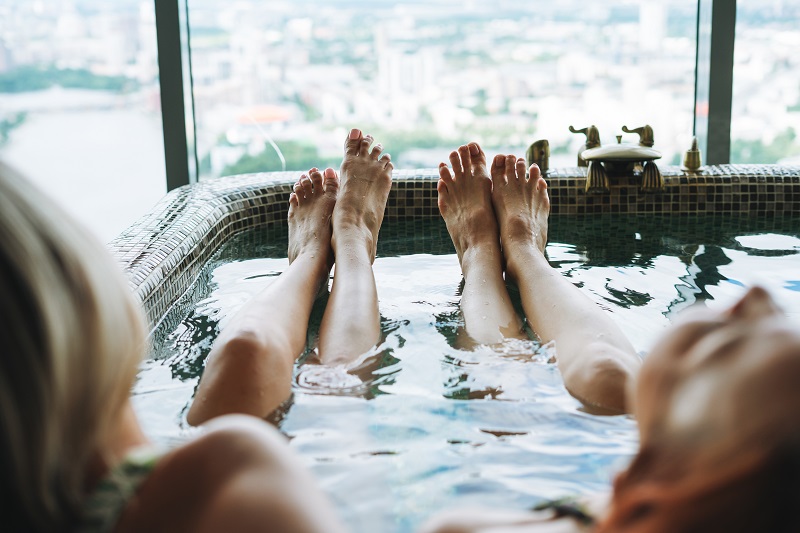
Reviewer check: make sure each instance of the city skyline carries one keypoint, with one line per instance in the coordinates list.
(423, 74)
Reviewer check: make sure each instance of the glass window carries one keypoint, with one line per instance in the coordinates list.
(765, 116)
(424, 76)
(80, 107)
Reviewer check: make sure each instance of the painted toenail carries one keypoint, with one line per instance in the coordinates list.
(355, 134)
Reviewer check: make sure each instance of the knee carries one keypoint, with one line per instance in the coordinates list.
(250, 349)
(602, 378)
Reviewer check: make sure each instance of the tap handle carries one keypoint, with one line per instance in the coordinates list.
(645, 134)
(592, 135)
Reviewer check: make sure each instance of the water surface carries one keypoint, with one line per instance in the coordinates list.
(434, 425)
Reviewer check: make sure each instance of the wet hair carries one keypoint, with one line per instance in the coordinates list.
(663, 492)
(72, 337)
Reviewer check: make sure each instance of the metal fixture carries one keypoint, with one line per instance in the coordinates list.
(623, 159)
(539, 153)
(692, 160)
(592, 141)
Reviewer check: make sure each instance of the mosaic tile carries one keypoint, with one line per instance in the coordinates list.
(165, 250)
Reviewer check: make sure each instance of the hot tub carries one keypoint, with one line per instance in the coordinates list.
(432, 425)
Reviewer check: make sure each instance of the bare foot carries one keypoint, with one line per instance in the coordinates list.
(521, 205)
(465, 201)
(366, 179)
(310, 209)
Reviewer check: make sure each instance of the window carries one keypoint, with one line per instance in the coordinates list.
(765, 117)
(292, 77)
(79, 106)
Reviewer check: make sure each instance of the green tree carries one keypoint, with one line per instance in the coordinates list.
(783, 145)
(7, 125)
(36, 78)
(299, 156)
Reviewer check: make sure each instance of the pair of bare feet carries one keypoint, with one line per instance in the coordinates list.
(340, 216)
(332, 214)
(497, 213)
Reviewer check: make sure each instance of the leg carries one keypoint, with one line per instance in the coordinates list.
(465, 201)
(249, 369)
(351, 323)
(594, 356)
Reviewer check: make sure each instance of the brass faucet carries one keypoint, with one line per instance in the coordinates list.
(623, 159)
(645, 134)
(539, 153)
(592, 141)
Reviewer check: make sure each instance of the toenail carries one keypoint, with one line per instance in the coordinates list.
(329, 173)
(355, 134)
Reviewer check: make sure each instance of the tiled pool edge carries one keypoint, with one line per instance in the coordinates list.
(164, 251)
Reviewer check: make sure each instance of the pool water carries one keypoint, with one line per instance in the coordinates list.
(427, 425)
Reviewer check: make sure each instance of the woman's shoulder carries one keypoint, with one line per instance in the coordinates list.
(195, 481)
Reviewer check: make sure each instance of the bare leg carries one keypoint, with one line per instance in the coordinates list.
(465, 201)
(594, 356)
(351, 323)
(249, 369)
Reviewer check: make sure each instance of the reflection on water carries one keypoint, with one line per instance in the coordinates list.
(420, 424)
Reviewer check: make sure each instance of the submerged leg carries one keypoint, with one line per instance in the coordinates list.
(594, 356)
(351, 323)
(465, 201)
(249, 369)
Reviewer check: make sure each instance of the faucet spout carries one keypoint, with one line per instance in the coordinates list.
(539, 153)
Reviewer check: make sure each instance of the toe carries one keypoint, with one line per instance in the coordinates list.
(353, 142)
(441, 187)
(520, 169)
(534, 173)
(466, 160)
(455, 162)
(511, 171)
(498, 170)
(477, 154)
(293, 200)
(331, 181)
(316, 180)
(298, 192)
(386, 159)
(307, 185)
(376, 151)
(444, 174)
(365, 144)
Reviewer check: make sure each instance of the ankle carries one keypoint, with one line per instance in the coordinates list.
(351, 239)
(521, 256)
(517, 229)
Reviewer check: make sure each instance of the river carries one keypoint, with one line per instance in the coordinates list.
(101, 159)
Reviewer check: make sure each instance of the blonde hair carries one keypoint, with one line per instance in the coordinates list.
(72, 337)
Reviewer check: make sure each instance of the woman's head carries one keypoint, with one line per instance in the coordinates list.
(727, 376)
(72, 338)
(718, 405)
